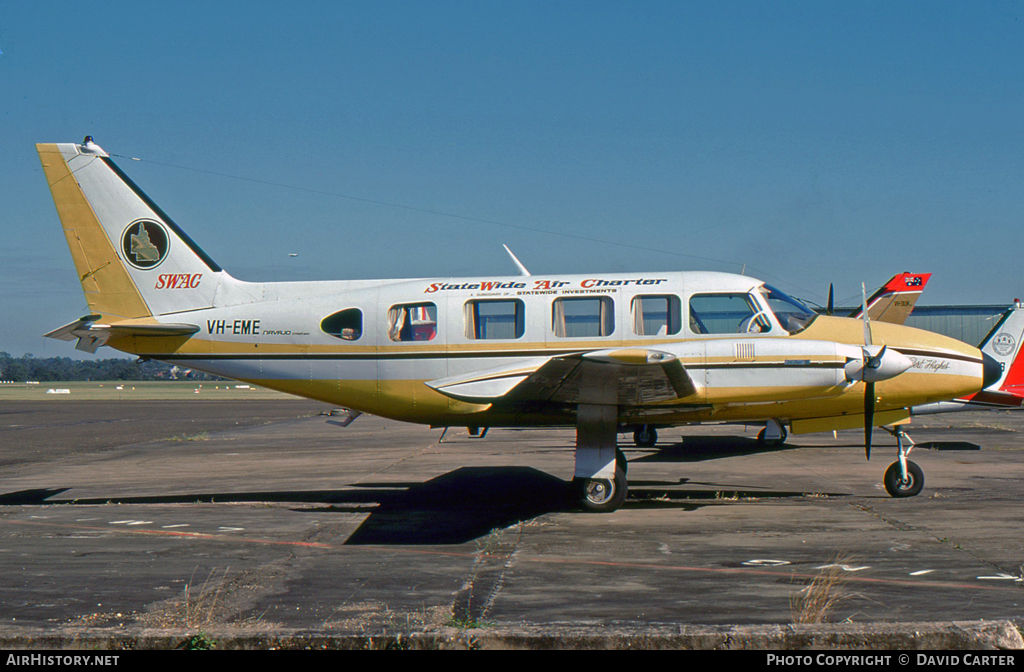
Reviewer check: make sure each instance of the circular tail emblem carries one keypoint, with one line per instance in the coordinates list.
(144, 244)
(1004, 344)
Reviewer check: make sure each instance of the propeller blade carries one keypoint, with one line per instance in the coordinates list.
(829, 309)
(867, 322)
(869, 416)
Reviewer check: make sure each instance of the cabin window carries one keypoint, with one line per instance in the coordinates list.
(726, 314)
(583, 317)
(656, 315)
(503, 318)
(345, 324)
(412, 322)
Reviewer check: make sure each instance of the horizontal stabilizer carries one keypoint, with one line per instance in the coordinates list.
(92, 335)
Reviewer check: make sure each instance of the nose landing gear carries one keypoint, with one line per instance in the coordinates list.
(903, 478)
(645, 436)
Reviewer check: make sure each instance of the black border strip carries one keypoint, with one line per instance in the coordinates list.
(442, 355)
(211, 264)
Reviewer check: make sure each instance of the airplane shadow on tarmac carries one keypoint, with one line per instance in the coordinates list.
(453, 508)
(703, 448)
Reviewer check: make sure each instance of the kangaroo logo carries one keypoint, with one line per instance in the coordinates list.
(144, 244)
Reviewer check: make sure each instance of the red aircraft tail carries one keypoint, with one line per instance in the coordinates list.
(894, 301)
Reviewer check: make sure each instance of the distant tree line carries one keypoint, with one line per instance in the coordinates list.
(43, 369)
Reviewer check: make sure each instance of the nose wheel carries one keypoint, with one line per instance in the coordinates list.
(903, 478)
(899, 485)
(645, 436)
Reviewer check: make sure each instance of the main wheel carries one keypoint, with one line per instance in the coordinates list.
(645, 436)
(602, 495)
(761, 441)
(899, 488)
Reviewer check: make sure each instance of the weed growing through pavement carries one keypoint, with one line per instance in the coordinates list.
(818, 599)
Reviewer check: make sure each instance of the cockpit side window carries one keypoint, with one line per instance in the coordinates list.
(792, 315)
(726, 314)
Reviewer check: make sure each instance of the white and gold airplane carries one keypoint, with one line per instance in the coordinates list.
(599, 352)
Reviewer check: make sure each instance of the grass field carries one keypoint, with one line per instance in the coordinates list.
(128, 391)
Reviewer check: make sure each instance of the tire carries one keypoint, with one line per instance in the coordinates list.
(911, 488)
(645, 436)
(601, 495)
(761, 441)
(621, 462)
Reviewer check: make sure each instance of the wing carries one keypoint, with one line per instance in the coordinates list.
(621, 377)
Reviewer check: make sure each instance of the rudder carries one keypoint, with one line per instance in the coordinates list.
(133, 261)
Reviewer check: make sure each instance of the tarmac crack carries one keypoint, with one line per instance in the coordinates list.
(891, 522)
(416, 453)
(473, 602)
(1017, 572)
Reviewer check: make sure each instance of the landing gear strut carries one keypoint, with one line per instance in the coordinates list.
(903, 478)
(599, 482)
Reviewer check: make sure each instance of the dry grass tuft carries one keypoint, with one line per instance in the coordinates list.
(212, 603)
(816, 602)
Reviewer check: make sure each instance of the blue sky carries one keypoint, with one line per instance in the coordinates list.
(814, 142)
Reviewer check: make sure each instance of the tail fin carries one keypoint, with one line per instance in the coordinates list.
(1003, 344)
(894, 301)
(133, 261)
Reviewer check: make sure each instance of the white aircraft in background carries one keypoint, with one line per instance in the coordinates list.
(1003, 345)
(597, 351)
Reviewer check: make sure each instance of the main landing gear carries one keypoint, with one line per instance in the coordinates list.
(599, 482)
(774, 434)
(903, 478)
(604, 495)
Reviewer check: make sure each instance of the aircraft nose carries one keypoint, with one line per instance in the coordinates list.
(993, 370)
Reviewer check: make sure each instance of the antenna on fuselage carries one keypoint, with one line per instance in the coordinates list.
(519, 264)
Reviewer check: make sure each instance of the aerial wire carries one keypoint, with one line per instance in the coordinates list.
(468, 218)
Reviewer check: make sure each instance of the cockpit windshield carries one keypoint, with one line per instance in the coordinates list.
(792, 315)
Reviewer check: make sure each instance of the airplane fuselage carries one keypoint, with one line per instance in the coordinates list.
(276, 335)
